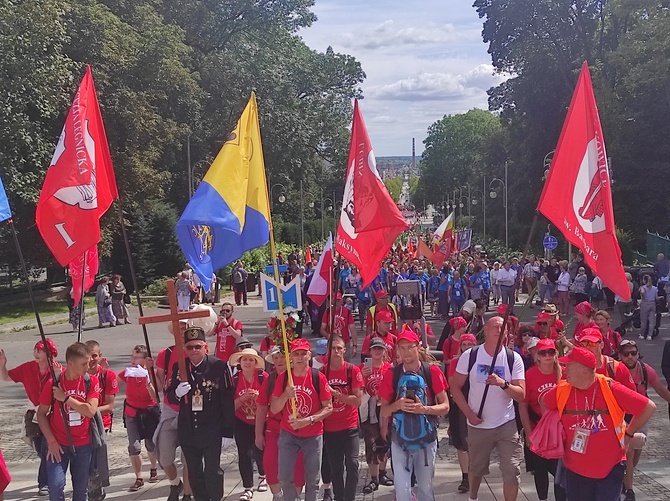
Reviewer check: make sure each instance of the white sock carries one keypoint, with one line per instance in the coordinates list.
(175, 480)
(476, 499)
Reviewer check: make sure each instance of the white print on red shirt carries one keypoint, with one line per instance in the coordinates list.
(303, 400)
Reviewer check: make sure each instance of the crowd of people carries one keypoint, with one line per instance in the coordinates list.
(497, 383)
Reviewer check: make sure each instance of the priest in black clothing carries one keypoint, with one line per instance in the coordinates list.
(206, 414)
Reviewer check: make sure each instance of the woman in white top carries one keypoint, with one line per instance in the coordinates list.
(562, 286)
(494, 282)
(648, 297)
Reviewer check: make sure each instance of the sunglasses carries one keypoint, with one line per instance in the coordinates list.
(544, 353)
(629, 353)
(588, 344)
(226, 311)
(542, 323)
(194, 347)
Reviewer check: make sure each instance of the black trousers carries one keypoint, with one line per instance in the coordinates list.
(204, 472)
(247, 452)
(342, 448)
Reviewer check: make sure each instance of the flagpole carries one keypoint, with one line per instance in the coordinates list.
(40, 328)
(133, 276)
(80, 327)
(331, 315)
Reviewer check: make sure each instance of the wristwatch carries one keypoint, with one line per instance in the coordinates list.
(505, 386)
(311, 420)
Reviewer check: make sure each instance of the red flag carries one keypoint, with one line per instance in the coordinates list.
(80, 185)
(577, 197)
(308, 255)
(369, 220)
(319, 286)
(410, 246)
(90, 271)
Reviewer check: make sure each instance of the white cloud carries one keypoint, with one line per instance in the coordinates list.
(389, 34)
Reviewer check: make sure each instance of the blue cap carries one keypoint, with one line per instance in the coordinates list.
(321, 346)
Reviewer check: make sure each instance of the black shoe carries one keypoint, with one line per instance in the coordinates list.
(370, 487)
(385, 480)
(629, 495)
(187, 497)
(327, 495)
(464, 486)
(175, 490)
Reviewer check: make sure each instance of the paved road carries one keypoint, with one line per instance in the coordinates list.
(652, 478)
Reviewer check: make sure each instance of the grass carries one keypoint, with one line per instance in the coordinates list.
(24, 312)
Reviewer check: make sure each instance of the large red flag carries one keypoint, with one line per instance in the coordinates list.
(577, 197)
(80, 185)
(443, 240)
(369, 221)
(90, 271)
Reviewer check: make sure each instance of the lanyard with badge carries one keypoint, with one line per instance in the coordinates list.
(74, 418)
(197, 400)
(580, 439)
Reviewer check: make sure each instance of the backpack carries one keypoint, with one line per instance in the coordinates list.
(96, 426)
(260, 376)
(471, 363)
(414, 431)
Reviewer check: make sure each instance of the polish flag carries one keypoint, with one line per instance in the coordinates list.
(370, 221)
(319, 286)
(577, 196)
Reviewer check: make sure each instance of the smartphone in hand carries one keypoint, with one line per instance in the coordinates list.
(410, 395)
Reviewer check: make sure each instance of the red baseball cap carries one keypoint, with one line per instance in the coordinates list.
(384, 316)
(381, 293)
(300, 344)
(591, 334)
(338, 296)
(52, 347)
(545, 344)
(543, 316)
(408, 335)
(580, 355)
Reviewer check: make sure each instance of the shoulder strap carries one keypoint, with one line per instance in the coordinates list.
(315, 380)
(261, 376)
(473, 358)
(645, 376)
(611, 369)
(103, 380)
(272, 380)
(87, 382)
(168, 356)
(510, 360)
(397, 372)
(349, 372)
(428, 377)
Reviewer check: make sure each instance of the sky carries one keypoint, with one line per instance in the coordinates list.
(424, 59)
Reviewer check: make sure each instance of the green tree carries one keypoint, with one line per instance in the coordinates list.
(394, 186)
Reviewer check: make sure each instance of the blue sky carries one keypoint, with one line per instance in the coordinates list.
(424, 59)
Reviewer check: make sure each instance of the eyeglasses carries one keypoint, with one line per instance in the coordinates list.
(544, 353)
(525, 334)
(194, 347)
(588, 344)
(226, 311)
(629, 353)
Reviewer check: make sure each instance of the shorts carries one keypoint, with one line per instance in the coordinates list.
(458, 427)
(166, 438)
(505, 438)
(376, 448)
(134, 438)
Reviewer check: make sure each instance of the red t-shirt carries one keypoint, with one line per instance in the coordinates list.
(621, 372)
(273, 421)
(370, 323)
(344, 417)
(160, 362)
(225, 341)
(374, 379)
(308, 402)
(28, 374)
(580, 327)
(342, 320)
(389, 341)
(137, 394)
(603, 450)
(247, 411)
(109, 387)
(266, 344)
(439, 384)
(79, 424)
(553, 332)
(652, 378)
(450, 348)
(537, 384)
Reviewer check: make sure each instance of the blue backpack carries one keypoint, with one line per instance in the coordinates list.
(414, 431)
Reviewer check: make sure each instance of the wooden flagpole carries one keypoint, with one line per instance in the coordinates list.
(80, 327)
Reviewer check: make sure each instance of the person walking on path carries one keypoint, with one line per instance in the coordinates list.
(240, 276)
(119, 307)
(103, 301)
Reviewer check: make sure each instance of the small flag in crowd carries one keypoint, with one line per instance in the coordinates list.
(442, 240)
(463, 240)
(321, 278)
(370, 221)
(577, 196)
(230, 211)
(5, 211)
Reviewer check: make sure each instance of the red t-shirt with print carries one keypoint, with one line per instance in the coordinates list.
(389, 341)
(439, 384)
(374, 379)
(273, 421)
(621, 372)
(137, 394)
(109, 387)
(308, 402)
(537, 385)
(160, 362)
(603, 450)
(28, 374)
(344, 416)
(247, 411)
(225, 341)
(79, 424)
(342, 320)
(266, 345)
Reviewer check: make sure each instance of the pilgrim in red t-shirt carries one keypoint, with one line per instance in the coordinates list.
(344, 416)
(621, 372)
(342, 320)
(110, 386)
(389, 341)
(308, 401)
(247, 411)
(603, 450)
(28, 374)
(225, 341)
(160, 362)
(537, 385)
(137, 393)
(438, 385)
(374, 379)
(79, 424)
(273, 421)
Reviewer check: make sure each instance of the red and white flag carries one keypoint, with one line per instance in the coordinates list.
(577, 196)
(369, 221)
(80, 185)
(321, 279)
(443, 240)
(89, 271)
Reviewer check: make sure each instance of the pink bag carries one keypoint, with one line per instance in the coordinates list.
(547, 439)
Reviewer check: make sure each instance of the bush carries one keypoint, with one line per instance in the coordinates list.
(157, 288)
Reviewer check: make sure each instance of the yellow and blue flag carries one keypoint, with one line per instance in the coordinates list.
(230, 211)
(5, 211)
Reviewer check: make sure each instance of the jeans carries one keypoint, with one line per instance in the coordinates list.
(404, 463)
(42, 480)
(79, 462)
(507, 293)
(456, 305)
(311, 447)
(647, 317)
(342, 448)
(593, 489)
(207, 484)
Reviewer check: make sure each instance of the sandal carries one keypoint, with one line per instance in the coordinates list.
(153, 475)
(385, 480)
(139, 483)
(370, 487)
(247, 495)
(262, 484)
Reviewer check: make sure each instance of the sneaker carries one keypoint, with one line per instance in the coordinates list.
(629, 495)
(640, 336)
(175, 490)
(370, 487)
(464, 485)
(43, 491)
(648, 338)
(278, 497)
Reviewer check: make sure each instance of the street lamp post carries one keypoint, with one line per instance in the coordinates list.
(493, 194)
(281, 198)
(475, 201)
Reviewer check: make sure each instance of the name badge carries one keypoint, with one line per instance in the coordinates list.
(74, 418)
(457, 293)
(197, 401)
(580, 440)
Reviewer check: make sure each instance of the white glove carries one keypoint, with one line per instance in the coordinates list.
(182, 389)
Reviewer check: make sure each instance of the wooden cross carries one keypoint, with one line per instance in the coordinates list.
(175, 316)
